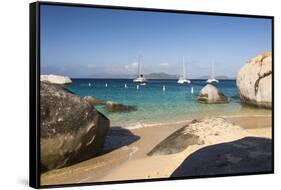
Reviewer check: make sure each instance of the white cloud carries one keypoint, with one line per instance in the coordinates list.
(91, 66)
(166, 65)
(132, 65)
(62, 69)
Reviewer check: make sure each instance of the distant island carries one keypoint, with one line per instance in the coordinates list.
(161, 75)
(155, 75)
(219, 77)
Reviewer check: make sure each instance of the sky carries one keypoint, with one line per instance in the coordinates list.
(85, 42)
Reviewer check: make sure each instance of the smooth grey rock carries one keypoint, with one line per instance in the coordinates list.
(176, 142)
(71, 129)
(117, 107)
(211, 95)
(94, 101)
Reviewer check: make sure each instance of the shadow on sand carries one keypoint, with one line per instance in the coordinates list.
(247, 155)
(118, 137)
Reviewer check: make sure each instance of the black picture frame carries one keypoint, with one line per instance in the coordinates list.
(34, 89)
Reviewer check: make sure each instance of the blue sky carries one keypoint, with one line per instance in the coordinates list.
(89, 42)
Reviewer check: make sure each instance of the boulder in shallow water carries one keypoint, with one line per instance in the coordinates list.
(254, 81)
(211, 95)
(71, 129)
(55, 79)
(117, 107)
(94, 101)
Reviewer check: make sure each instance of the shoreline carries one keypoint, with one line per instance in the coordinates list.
(130, 147)
(198, 116)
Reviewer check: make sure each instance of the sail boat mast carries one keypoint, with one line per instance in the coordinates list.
(139, 65)
(183, 67)
(140, 78)
(182, 79)
(212, 77)
(212, 71)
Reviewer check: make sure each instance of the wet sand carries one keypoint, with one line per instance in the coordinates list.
(125, 156)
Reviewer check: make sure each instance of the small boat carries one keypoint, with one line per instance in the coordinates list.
(164, 88)
(210, 80)
(212, 77)
(182, 79)
(140, 78)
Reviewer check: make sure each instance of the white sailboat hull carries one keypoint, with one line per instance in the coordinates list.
(139, 80)
(184, 81)
(212, 81)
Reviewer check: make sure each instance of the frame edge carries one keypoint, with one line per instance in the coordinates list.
(34, 172)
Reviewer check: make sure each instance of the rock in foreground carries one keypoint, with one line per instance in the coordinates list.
(198, 132)
(71, 129)
(254, 81)
(55, 79)
(211, 95)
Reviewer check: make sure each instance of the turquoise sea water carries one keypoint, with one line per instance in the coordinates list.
(154, 105)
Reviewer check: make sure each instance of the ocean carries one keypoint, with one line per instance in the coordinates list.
(155, 106)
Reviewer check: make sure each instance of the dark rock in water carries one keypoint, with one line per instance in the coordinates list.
(94, 101)
(116, 107)
(211, 95)
(109, 105)
(246, 155)
(176, 142)
(71, 129)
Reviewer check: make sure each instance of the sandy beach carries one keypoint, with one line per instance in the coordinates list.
(125, 155)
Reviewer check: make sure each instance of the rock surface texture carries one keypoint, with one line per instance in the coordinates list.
(211, 95)
(71, 129)
(94, 101)
(198, 132)
(254, 81)
(55, 79)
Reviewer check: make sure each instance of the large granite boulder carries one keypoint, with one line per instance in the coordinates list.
(254, 81)
(71, 129)
(55, 79)
(211, 95)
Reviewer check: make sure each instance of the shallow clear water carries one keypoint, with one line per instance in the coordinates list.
(154, 105)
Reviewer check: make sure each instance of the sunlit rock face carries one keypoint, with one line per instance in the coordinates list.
(254, 81)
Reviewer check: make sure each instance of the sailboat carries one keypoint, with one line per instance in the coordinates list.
(182, 79)
(140, 78)
(212, 77)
